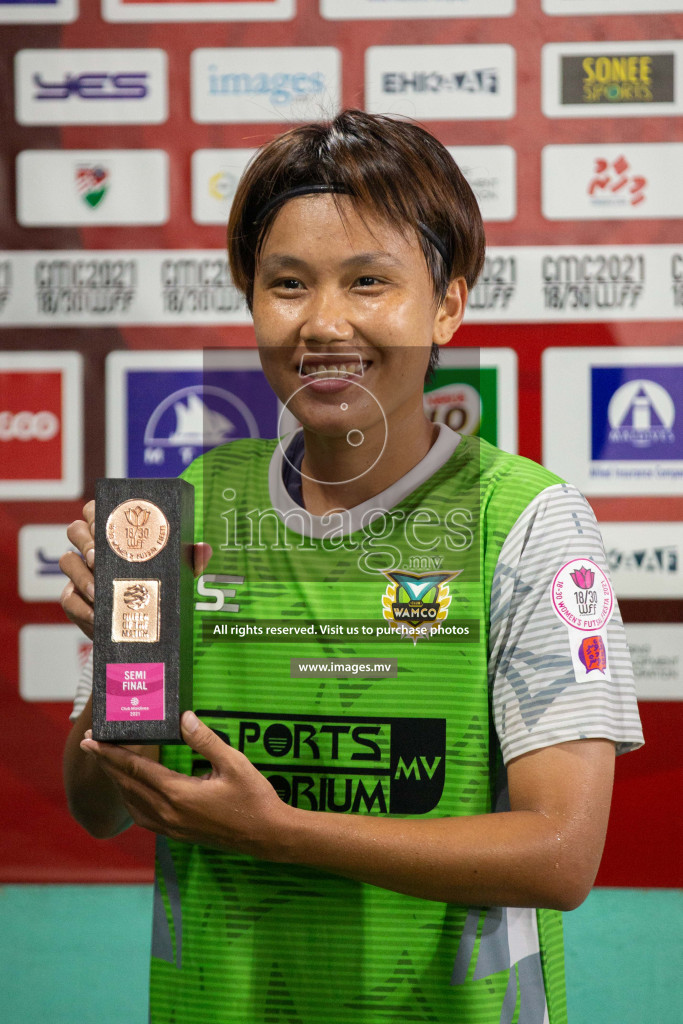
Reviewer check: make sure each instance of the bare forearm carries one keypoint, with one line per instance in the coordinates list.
(510, 859)
(94, 800)
(544, 852)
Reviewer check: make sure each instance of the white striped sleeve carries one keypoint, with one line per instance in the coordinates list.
(83, 689)
(539, 697)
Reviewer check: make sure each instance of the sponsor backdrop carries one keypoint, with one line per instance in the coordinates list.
(126, 127)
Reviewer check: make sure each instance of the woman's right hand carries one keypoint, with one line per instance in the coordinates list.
(79, 593)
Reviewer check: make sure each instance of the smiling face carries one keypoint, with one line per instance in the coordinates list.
(345, 316)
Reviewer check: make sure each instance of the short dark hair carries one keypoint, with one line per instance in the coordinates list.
(393, 168)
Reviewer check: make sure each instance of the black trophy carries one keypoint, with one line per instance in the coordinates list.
(142, 654)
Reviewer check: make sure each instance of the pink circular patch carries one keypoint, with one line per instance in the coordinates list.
(582, 595)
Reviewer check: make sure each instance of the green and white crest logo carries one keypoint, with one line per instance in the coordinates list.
(92, 182)
(416, 603)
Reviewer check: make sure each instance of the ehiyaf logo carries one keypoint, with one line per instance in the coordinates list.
(85, 86)
(175, 409)
(441, 82)
(645, 559)
(634, 412)
(262, 85)
(658, 560)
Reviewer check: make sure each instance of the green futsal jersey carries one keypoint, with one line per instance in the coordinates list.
(347, 657)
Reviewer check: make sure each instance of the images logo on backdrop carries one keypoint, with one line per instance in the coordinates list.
(265, 84)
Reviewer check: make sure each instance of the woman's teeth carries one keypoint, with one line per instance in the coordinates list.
(343, 370)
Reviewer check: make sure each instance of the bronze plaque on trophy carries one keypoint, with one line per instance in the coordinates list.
(144, 586)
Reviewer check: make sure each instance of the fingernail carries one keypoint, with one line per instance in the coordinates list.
(90, 557)
(87, 735)
(90, 591)
(190, 721)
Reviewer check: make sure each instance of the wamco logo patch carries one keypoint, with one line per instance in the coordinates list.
(415, 604)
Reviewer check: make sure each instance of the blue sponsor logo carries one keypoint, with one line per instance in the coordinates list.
(634, 413)
(280, 88)
(94, 85)
(176, 415)
(47, 564)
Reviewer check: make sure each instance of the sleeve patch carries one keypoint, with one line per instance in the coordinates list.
(582, 596)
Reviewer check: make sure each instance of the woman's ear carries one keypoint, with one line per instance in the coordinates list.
(451, 311)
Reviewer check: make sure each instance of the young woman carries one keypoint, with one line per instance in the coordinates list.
(340, 847)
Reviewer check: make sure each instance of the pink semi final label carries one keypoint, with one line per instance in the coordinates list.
(135, 692)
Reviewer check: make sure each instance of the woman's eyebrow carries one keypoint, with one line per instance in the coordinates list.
(377, 258)
(281, 261)
(284, 261)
